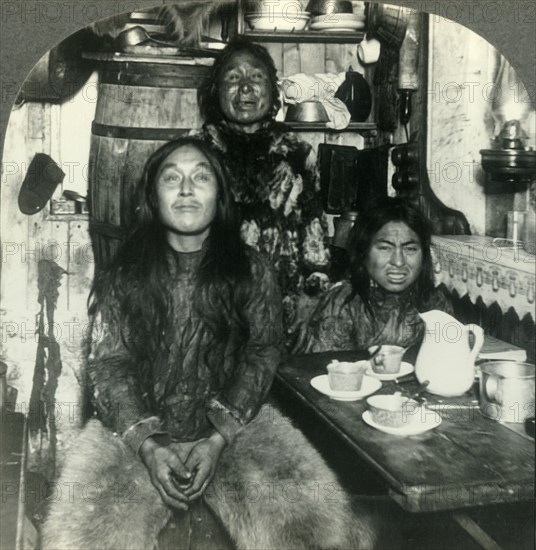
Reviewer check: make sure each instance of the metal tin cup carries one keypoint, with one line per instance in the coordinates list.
(507, 390)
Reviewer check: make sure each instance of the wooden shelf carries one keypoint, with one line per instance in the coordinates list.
(322, 127)
(307, 37)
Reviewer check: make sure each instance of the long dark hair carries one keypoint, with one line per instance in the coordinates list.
(140, 275)
(380, 212)
(208, 93)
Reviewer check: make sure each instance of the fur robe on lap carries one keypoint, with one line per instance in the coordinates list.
(272, 490)
(107, 498)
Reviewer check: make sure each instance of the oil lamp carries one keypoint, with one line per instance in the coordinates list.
(510, 159)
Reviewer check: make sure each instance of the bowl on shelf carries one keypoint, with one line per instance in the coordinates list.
(308, 111)
(273, 21)
(328, 7)
(279, 6)
(342, 22)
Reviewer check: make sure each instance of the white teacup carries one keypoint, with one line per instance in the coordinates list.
(345, 375)
(388, 360)
(368, 51)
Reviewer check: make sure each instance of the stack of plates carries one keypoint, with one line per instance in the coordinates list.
(273, 21)
(338, 22)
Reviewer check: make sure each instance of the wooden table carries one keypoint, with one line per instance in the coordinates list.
(467, 460)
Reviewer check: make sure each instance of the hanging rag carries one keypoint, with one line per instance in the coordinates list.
(48, 367)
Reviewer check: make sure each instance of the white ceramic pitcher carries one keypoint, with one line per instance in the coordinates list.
(445, 358)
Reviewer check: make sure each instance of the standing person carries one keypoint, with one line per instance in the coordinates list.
(391, 281)
(186, 340)
(275, 181)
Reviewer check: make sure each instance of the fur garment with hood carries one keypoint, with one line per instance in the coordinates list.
(271, 490)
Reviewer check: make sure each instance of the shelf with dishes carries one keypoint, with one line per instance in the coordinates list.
(360, 127)
(306, 36)
(333, 21)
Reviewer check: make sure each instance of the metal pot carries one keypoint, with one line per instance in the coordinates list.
(308, 111)
(328, 7)
(507, 390)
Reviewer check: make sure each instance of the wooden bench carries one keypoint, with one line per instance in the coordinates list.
(195, 529)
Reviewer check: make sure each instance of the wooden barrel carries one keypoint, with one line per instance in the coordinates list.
(141, 104)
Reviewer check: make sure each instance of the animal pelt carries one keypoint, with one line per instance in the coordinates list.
(272, 491)
(104, 498)
(186, 19)
(110, 27)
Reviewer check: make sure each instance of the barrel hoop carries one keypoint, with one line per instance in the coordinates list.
(148, 134)
(157, 76)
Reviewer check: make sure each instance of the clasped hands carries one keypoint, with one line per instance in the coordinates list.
(180, 482)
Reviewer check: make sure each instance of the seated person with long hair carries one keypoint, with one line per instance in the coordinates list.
(391, 281)
(186, 340)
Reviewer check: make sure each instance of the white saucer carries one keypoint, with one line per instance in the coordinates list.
(343, 26)
(369, 386)
(405, 368)
(426, 420)
(338, 18)
(336, 29)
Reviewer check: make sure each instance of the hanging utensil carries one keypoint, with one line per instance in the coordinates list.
(138, 36)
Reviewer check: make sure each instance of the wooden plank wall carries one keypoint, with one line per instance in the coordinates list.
(293, 58)
(35, 128)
